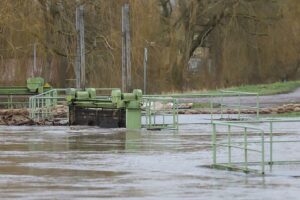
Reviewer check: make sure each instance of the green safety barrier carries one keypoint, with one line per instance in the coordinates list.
(244, 165)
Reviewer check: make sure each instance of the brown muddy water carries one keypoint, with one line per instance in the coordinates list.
(92, 163)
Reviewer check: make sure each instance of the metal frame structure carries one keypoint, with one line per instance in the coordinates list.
(212, 99)
(267, 137)
(42, 105)
(163, 117)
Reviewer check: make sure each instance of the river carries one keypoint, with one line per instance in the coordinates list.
(92, 163)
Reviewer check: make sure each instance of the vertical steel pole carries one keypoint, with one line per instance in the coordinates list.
(229, 145)
(221, 105)
(34, 60)
(124, 88)
(214, 144)
(211, 108)
(82, 48)
(246, 148)
(257, 105)
(271, 143)
(80, 58)
(239, 115)
(126, 49)
(77, 61)
(177, 117)
(263, 153)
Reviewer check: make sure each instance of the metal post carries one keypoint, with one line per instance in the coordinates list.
(271, 143)
(221, 105)
(262, 153)
(246, 148)
(126, 49)
(229, 145)
(239, 115)
(145, 69)
(211, 108)
(80, 58)
(177, 117)
(257, 105)
(214, 144)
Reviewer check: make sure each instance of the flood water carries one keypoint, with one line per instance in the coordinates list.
(92, 163)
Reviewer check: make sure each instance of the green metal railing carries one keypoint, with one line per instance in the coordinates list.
(11, 101)
(160, 113)
(243, 145)
(239, 106)
(41, 106)
(267, 138)
(212, 99)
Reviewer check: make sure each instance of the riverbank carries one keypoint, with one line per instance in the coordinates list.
(20, 117)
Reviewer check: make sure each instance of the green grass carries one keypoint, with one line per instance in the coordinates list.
(269, 89)
(261, 89)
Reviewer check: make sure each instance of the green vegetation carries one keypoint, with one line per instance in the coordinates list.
(269, 89)
(261, 89)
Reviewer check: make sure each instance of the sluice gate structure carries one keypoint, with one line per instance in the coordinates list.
(248, 140)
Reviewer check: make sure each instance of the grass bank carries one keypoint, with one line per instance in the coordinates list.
(261, 89)
(269, 89)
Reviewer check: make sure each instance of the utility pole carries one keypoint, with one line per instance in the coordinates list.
(145, 69)
(126, 49)
(34, 60)
(80, 57)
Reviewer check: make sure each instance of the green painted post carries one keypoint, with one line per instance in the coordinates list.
(133, 118)
(211, 108)
(164, 107)
(214, 147)
(150, 117)
(257, 105)
(42, 109)
(246, 148)
(271, 143)
(154, 116)
(38, 107)
(229, 145)
(221, 105)
(239, 115)
(177, 117)
(174, 115)
(263, 153)
(147, 113)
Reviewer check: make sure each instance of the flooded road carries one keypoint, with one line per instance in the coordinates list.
(90, 163)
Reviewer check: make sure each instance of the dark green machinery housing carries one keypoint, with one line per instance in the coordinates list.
(114, 111)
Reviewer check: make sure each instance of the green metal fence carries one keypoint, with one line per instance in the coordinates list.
(13, 101)
(160, 112)
(214, 102)
(241, 145)
(267, 139)
(41, 106)
(239, 106)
